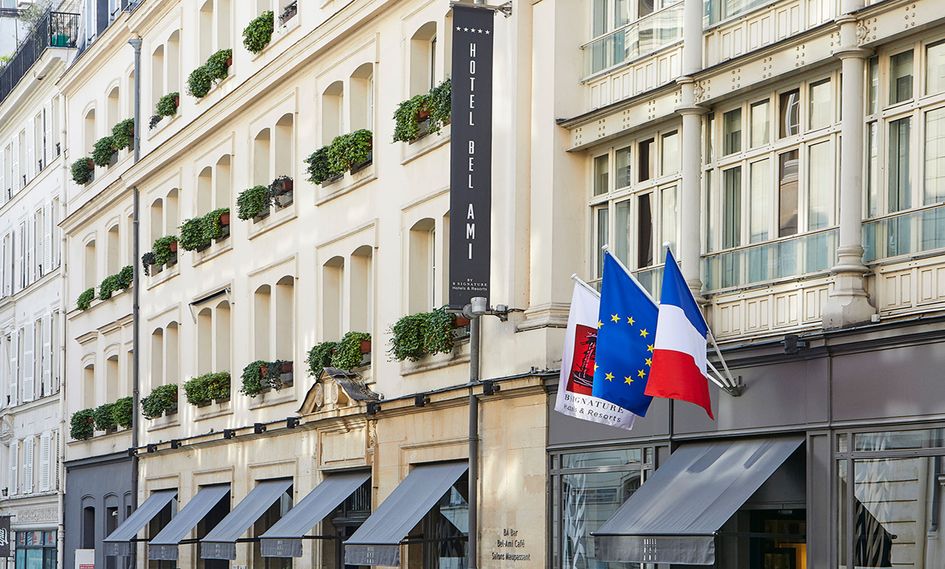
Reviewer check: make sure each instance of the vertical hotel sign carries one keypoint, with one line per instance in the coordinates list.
(470, 154)
(5, 537)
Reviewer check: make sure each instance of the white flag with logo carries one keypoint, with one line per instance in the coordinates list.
(577, 365)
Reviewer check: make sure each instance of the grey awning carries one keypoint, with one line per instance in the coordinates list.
(118, 543)
(220, 542)
(284, 538)
(163, 546)
(377, 541)
(674, 516)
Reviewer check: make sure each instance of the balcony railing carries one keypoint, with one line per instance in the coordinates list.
(54, 29)
(908, 233)
(651, 278)
(642, 37)
(776, 260)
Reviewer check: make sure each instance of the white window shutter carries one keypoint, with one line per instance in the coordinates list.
(28, 465)
(14, 467)
(47, 356)
(45, 458)
(49, 231)
(18, 269)
(14, 184)
(54, 460)
(14, 366)
(28, 364)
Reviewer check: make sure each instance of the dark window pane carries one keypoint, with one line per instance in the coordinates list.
(789, 113)
(900, 77)
(732, 131)
(732, 204)
(900, 186)
(622, 166)
(645, 159)
(644, 231)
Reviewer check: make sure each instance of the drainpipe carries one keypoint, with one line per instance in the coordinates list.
(473, 492)
(136, 294)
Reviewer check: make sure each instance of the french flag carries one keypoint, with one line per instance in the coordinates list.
(678, 370)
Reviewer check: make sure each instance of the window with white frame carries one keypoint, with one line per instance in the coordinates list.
(624, 30)
(905, 151)
(770, 194)
(634, 201)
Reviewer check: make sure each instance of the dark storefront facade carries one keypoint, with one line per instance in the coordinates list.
(98, 499)
(864, 410)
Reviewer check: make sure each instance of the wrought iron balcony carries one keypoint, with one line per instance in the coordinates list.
(54, 29)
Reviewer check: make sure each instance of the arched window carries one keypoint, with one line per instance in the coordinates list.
(89, 399)
(206, 30)
(423, 59)
(205, 191)
(333, 277)
(261, 321)
(224, 181)
(362, 97)
(173, 62)
(91, 275)
(113, 251)
(285, 134)
(130, 89)
(89, 130)
(113, 108)
(172, 212)
(172, 353)
(421, 258)
(113, 387)
(361, 297)
(204, 341)
(261, 150)
(157, 219)
(285, 322)
(157, 75)
(222, 335)
(223, 24)
(332, 109)
(157, 357)
(88, 526)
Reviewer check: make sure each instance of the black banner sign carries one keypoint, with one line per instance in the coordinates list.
(471, 154)
(6, 538)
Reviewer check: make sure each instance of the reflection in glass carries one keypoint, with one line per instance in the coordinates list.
(644, 230)
(787, 193)
(645, 156)
(601, 173)
(820, 183)
(622, 168)
(789, 113)
(732, 131)
(615, 457)
(934, 189)
(603, 230)
(872, 170)
(732, 204)
(873, 103)
(587, 501)
(667, 220)
(900, 77)
(759, 192)
(900, 182)
(820, 101)
(935, 69)
(759, 124)
(623, 231)
(669, 157)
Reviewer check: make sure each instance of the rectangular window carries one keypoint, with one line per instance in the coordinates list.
(603, 238)
(935, 68)
(899, 191)
(711, 225)
(645, 158)
(820, 182)
(645, 7)
(787, 193)
(732, 131)
(789, 115)
(900, 77)
(669, 157)
(667, 220)
(872, 170)
(934, 188)
(601, 174)
(759, 192)
(622, 168)
(623, 230)
(710, 138)
(820, 101)
(599, 18)
(621, 13)
(873, 86)
(732, 204)
(759, 124)
(644, 230)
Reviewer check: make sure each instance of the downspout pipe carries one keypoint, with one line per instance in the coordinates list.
(135, 43)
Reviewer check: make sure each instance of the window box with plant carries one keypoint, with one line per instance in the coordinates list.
(346, 153)
(104, 151)
(421, 115)
(417, 336)
(83, 171)
(104, 418)
(351, 352)
(282, 191)
(113, 283)
(261, 376)
(147, 262)
(253, 203)
(205, 389)
(215, 70)
(166, 107)
(193, 235)
(161, 401)
(258, 33)
(123, 135)
(85, 299)
(165, 251)
(82, 424)
(122, 411)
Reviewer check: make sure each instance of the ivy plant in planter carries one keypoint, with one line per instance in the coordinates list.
(147, 261)
(126, 277)
(423, 114)
(162, 400)
(253, 203)
(82, 425)
(217, 223)
(199, 82)
(165, 250)
(319, 357)
(218, 65)
(206, 388)
(83, 171)
(155, 120)
(122, 411)
(104, 417)
(193, 234)
(168, 104)
(350, 151)
(281, 191)
(85, 299)
(418, 335)
(258, 33)
(123, 134)
(351, 350)
(108, 287)
(318, 170)
(103, 151)
(254, 378)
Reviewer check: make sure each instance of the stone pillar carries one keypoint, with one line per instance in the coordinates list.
(848, 302)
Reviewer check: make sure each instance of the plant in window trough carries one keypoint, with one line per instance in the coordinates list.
(199, 82)
(147, 261)
(122, 411)
(320, 356)
(125, 277)
(281, 191)
(165, 250)
(85, 299)
(351, 350)
(255, 378)
(123, 134)
(168, 104)
(423, 114)
(218, 65)
(217, 223)
(193, 234)
(103, 151)
(418, 335)
(253, 203)
(258, 33)
(318, 167)
(204, 389)
(83, 171)
(351, 151)
(82, 424)
(108, 287)
(162, 400)
(104, 417)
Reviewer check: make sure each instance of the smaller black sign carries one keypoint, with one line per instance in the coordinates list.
(6, 537)
(471, 154)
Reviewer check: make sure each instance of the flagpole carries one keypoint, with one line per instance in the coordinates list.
(606, 249)
(578, 280)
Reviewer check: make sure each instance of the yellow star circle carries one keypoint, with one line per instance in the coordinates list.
(609, 376)
(614, 318)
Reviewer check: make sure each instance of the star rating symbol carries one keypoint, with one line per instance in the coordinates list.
(641, 374)
(644, 333)
(609, 376)
(614, 318)
(649, 347)
(627, 380)
(630, 320)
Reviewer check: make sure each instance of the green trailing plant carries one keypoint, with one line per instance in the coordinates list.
(258, 33)
(168, 104)
(349, 150)
(199, 82)
(433, 107)
(126, 277)
(418, 335)
(104, 417)
(253, 381)
(108, 287)
(163, 399)
(164, 249)
(349, 354)
(203, 389)
(82, 424)
(85, 299)
(218, 65)
(122, 411)
(193, 234)
(155, 120)
(103, 150)
(123, 134)
(213, 226)
(318, 168)
(147, 260)
(253, 201)
(83, 170)
(275, 371)
(319, 357)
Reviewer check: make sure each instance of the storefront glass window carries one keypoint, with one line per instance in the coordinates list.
(820, 101)
(275, 512)
(670, 154)
(35, 549)
(439, 540)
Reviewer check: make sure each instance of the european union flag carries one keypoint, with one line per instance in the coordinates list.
(625, 338)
